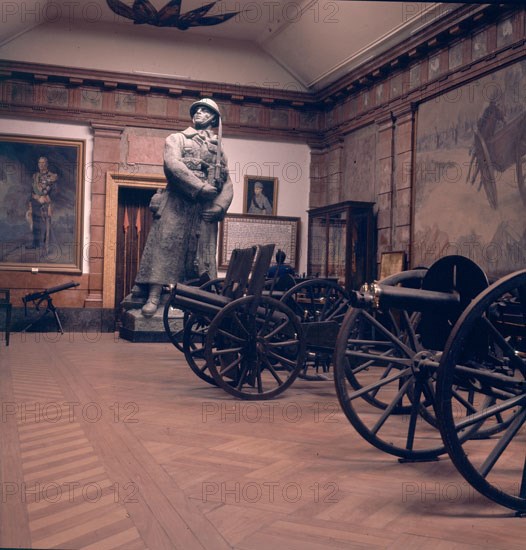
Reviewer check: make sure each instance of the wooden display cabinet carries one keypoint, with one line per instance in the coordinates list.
(342, 244)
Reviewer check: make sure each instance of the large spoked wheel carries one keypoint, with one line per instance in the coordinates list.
(399, 324)
(485, 359)
(317, 300)
(194, 339)
(255, 348)
(386, 384)
(313, 301)
(173, 326)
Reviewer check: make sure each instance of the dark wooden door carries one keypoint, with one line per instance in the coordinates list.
(134, 220)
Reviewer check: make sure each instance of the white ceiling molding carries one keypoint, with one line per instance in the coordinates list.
(382, 44)
(322, 54)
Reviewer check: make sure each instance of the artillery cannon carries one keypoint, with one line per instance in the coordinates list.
(434, 361)
(248, 343)
(317, 305)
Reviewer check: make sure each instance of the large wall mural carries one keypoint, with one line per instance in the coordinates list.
(360, 165)
(470, 168)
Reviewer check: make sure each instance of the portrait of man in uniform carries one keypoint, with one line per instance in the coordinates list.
(41, 203)
(260, 196)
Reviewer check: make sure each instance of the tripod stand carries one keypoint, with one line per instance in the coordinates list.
(39, 297)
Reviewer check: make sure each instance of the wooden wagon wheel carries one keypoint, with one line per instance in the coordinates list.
(386, 361)
(487, 172)
(195, 330)
(380, 385)
(255, 348)
(172, 324)
(381, 381)
(194, 338)
(485, 357)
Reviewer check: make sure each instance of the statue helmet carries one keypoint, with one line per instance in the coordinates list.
(209, 104)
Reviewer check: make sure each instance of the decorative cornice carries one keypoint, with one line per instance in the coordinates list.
(457, 24)
(409, 99)
(29, 90)
(74, 76)
(314, 118)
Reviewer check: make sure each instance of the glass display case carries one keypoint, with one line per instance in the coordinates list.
(342, 244)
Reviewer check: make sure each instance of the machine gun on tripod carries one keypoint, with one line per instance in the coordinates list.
(45, 296)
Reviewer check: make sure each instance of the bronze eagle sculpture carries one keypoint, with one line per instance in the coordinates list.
(144, 13)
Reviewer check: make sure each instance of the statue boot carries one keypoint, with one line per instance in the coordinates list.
(151, 305)
(139, 292)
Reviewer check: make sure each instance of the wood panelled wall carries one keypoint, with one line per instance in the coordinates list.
(369, 116)
(360, 128)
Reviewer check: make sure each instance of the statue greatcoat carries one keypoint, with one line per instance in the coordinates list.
(181, 245)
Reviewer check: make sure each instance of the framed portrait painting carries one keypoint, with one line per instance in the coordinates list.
(41, 192)
(260, 196)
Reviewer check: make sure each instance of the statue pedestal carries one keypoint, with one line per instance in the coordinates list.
(135, 327)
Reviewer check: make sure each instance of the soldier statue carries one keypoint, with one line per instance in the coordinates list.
(182, 241)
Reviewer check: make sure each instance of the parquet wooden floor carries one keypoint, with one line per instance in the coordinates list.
(107, 444)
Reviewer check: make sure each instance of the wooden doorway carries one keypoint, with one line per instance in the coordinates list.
(134, 220)
(127, 222)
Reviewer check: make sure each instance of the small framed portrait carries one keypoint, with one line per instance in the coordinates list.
(260, 196)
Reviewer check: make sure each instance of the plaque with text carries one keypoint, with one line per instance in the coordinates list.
(244, 230)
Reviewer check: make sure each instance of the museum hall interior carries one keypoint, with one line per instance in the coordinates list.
(262, 274)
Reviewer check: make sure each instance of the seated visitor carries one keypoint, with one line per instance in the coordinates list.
(281, 267)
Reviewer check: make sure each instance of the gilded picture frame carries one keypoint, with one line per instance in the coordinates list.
(41, 204)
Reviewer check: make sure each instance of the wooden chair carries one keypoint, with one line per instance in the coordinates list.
(5, 303)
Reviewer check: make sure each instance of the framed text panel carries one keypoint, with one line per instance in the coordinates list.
(244, 230)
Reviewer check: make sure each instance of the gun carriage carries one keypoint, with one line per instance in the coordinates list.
(434, 361)
(320, 304)
(243, 335)
(426, 362)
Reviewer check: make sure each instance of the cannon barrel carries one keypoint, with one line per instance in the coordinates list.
(378, 296)
(43, 293)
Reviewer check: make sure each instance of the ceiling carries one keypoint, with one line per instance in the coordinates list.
(316, 41)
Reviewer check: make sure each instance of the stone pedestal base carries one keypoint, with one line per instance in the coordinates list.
(138, 328)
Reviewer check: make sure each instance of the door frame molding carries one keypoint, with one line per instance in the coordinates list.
(114, 181)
